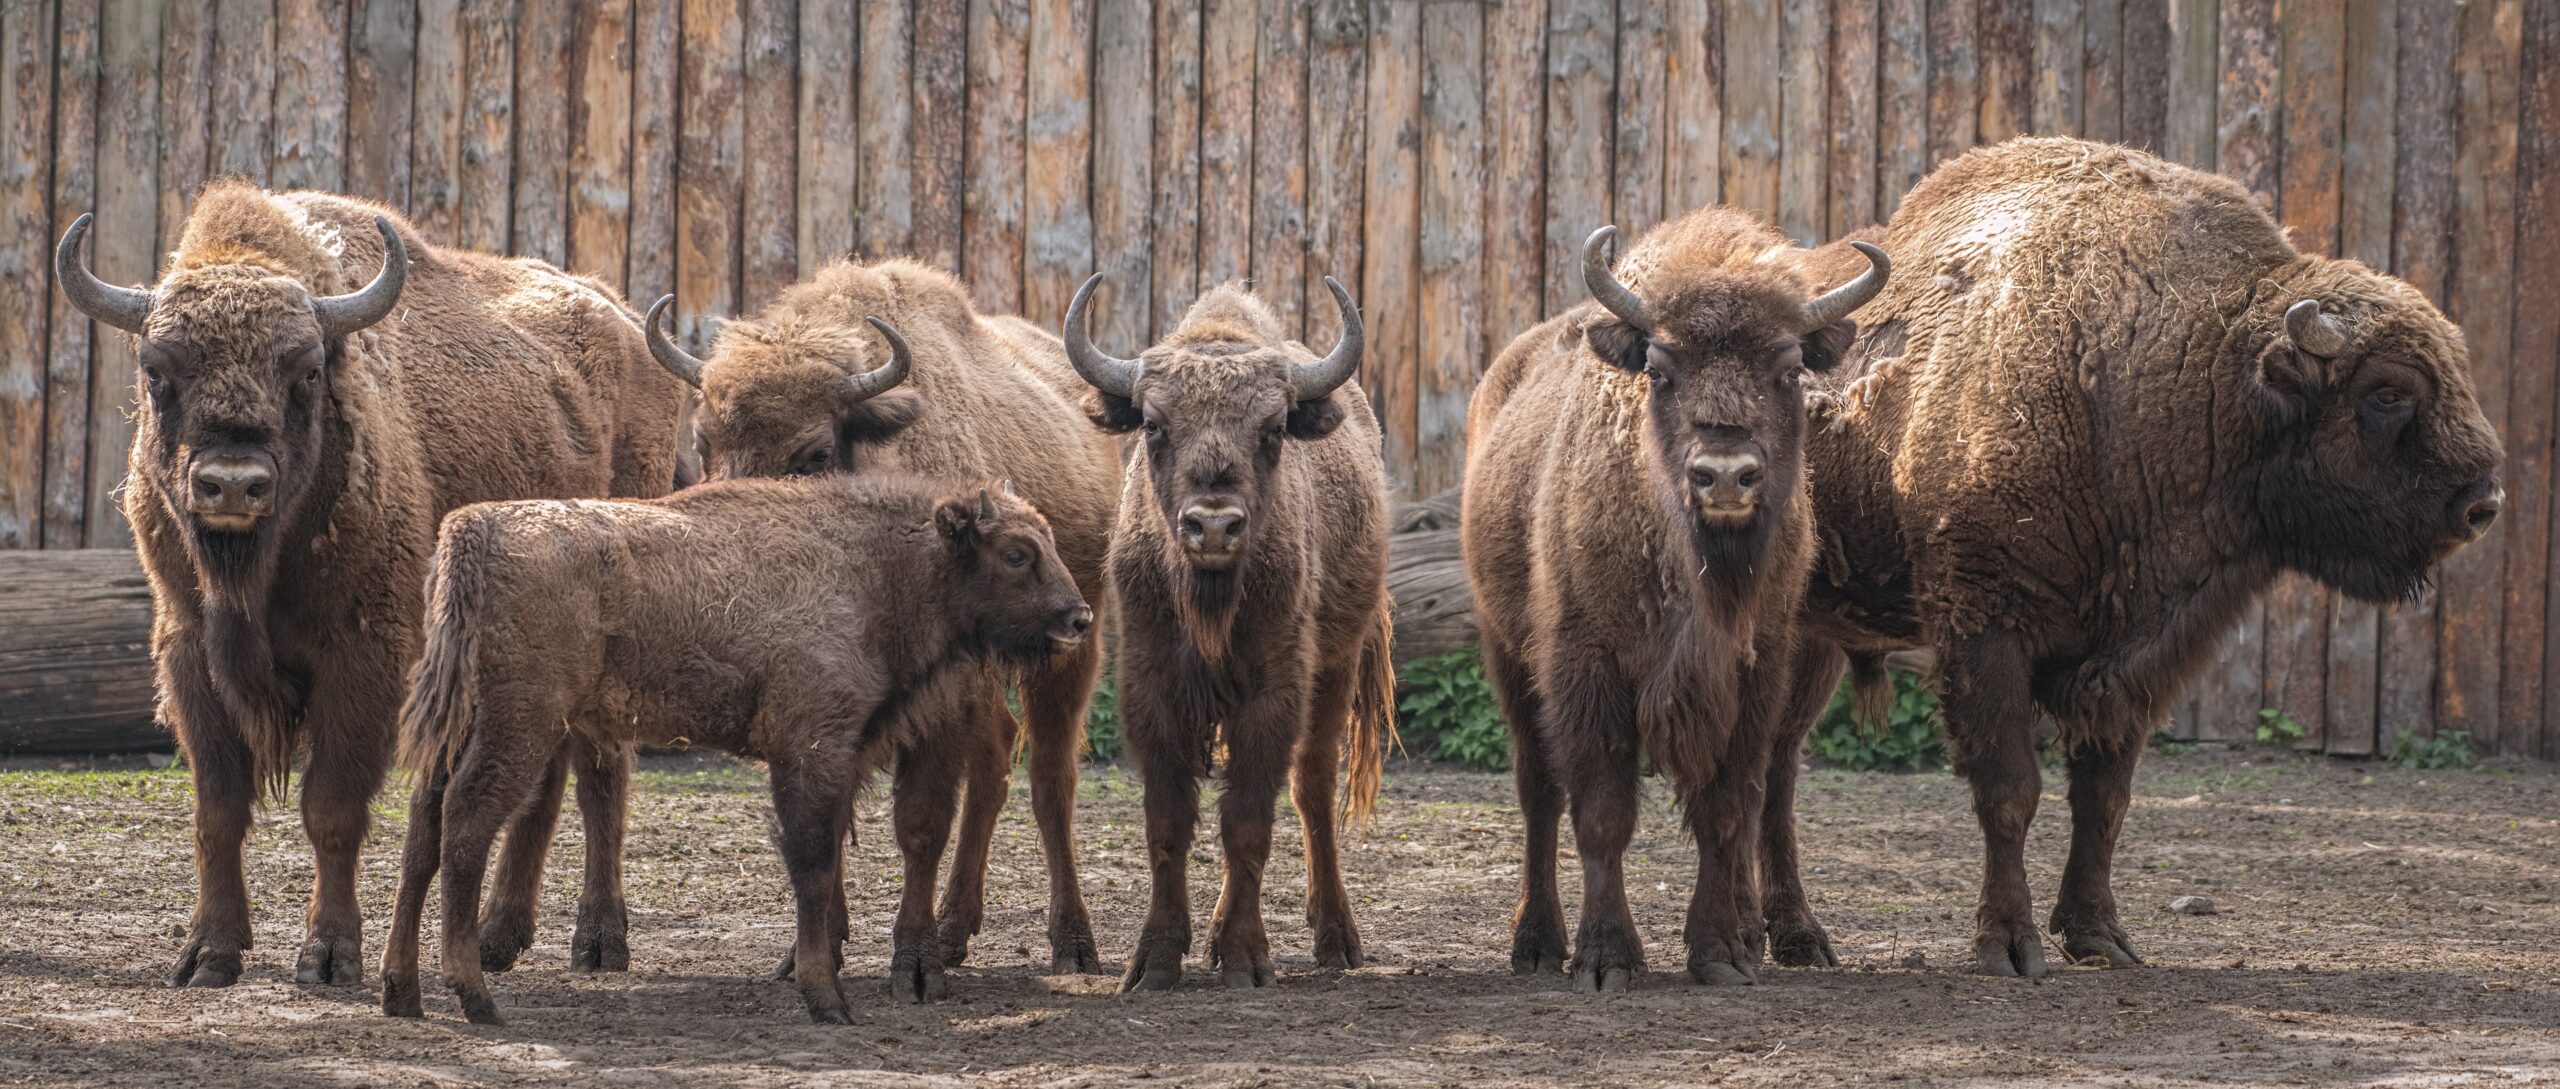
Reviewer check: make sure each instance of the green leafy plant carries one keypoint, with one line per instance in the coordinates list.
(1102, 739)
(1910, 738)
(1445, 710)
(2277, 728)
(2446, 751)
(2169, 744)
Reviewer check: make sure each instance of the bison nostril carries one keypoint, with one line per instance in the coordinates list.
(207, 489)
(1082, 622)
(1749, 477)
(2482, 514)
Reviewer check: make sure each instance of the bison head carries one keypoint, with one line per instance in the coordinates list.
(2381, 462)
(236, 359)
(1017, 600)
(1723, 350)
(792, 401)
(1218, 406)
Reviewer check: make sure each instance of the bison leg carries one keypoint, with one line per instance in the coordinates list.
(1592, 716)
(475, 808)
(1260, 737)
(1722, 819)
(506, 928)
(813, 803)
(1337, 943)
(1172, 814)
(2085, 914)
(226, 785)
(1054, 699)
(1537, 925)
(928, 783)
(418, 859)
(1991, 722)
(601, 942)
(989, 765)
(1795, 939)
(344, 773)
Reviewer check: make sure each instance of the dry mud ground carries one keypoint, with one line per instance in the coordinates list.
(2379, 927)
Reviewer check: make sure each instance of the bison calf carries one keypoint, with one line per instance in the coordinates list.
(1250, 560)
(823, 626)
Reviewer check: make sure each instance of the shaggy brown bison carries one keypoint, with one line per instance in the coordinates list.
(2106, 405)
(822, 626)
(1637, 535)
(1250, 561)
(804, 388)
(318, 387)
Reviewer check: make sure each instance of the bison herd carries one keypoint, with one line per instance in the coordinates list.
(394, 498)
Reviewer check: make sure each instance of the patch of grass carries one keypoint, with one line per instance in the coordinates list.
(1911, 737)
(1445, 710)
(2446, 751)
(1102, 738)
(2278, 728)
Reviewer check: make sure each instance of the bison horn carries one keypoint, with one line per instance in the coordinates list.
(340, 315)
(1829, 307)
(880, 379)
(2313, 331)
(1312, 381)
(986, 506)
(1108, 373)
(1604, 284)
(677, 361)
(125, 308)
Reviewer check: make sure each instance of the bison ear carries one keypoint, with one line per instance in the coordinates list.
(879, 419)
(1314, 419)
(1115, 415)
(1824, 348)
(1617, 343)
(956, 518)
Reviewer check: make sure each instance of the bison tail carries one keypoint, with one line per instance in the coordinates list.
(435, 722)
(1870, 690)
(1373, 718)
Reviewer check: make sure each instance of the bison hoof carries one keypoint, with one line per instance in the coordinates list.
(330, 960)
(1801, 943)
(600, 944)
(481, 1009)
(2097, 942)
(1602, 980)
(914, 979)
(202, 964)
(789, 967)
(1608, 957)
(1723, 973)
(1338, 947)
(1246, 977)
(400, 997)
(827, 1006)
(505, 933)
(1537, 947)
(1156, 964)
(1075, 956)
(2010, 951)
(953, 942)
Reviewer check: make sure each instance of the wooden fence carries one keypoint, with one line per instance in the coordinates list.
(1443, 157)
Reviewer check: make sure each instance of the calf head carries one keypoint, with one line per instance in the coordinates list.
(236, 357)
(1218, 405)
(2380, 462)
(1723, 346)
(1014, 598)
(792, 399)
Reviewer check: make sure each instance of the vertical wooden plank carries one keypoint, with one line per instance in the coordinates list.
(185, 131)
(600, 144)
(1578, 131)
(1693, 151)
(1280, 161)
(1754, 67)
(1637, 170)
(2422, 229)
(1174, 237)
(884, 108)
(65, 330)
(1227, 33)
(2366, 163)
(2471, 605)
(829, 157)
(2061, 59)
(488, 89)
(2527, 643)
(1057, 154)
(1954, 79)
(999, 44)
(2102, 71)
(1902, 102)
(244, 84)
(1855, 53)
(26, 197)
(382, 65)
(124, 247)
(941, 137)
(2008, 46)
(435, 137)
(1122, 122)
(2195, 46)
(1337, 134)
(540, 223)
(657, 31)
(1453, 187)
(1805, 42)
(2146, 74)
(769, 228)
(1516, 215)
(310, 105)
(1391, 273)
(710, 167)
(2313, 85)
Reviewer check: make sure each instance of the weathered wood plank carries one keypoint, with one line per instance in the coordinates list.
(2245, 148)
(1805, 44)
(884, 220)
(941, 136)
(1057, 153)
(1452, 251)
(1855, 52)
(1902, 102)
(1280, 163)
(2313, 84)
(830, 158)
(1122, 152)
(1227, 35)
(769, 228)
(488, 147)
(1337, 133)
(435, 137)
(126, 244)
(26, 198)
(1174, 237)
(2061, 57)
(67, 332)
(656, 34)
(1754, 67)
(244, 86)
(540, 225)
(710, 167)
(1391, 272)
(1955, 76)
(382, 67)
(1693, 89)
(2422, 229)
(310, 95)
(1637, 178)
(2366, 158)
(999, 52)
(2008, 48)
(2195, 46)
(1516, 216)
(600, 144)
(2146, 74)
(2526, 645)
(2102, 70)
(2482, 262)
(75, 653)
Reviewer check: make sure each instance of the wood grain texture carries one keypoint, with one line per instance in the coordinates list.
(769, 184)
(600, 144)
(942, 130)
(244, 86)
(1850, 185)
(64, 335)
(2421, 251)
(1453, 188)
(1754, 72)
(1391, 266)
(2008, 48)
(709, 169)
(1123, 119)
(1642, 113)
(436, 107)
(2146, 74)
(382, 67)
(1337, 148)
(1804, 111)
(656, 33)
(26, 183)
(126, 243)
(2366, 168)
(1902, 102)
(1228, 32)
(544, 65)
(2245, 149)
(2526, 645)
(488, 84)
(1174, 236)
(1693, 89)
(1516, 211)
(991, 227)
(310, 106)
(884, 97)
(1955, 76)
(75, 652)
(2101, 76)
(1279, 256)
(2195, 47)
(1057, 216)
(2061, 57)
(823, 216)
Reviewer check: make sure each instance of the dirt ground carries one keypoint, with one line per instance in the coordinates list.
(2378, 926)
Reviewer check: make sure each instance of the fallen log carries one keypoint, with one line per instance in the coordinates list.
(75, 653)
(1434, 609)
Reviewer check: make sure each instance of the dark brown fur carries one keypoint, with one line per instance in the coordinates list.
(492, 378)
(1621, 626)
(2075, 443)
(823, 626)
(1282, 658)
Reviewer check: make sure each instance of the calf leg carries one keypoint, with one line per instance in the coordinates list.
(1795, 938)
(601, 942)
(813, 801)
(2085, 913)
(1991, 721)
(989, 764)
(1054, 698)
(928, 781)
(1337, 943)
(225, 786)
(1537, 924)
(506, 929)
(477, 803)
(1172, 786)
(417, 870)
(1259, 740)
(338, 785)
(1593, 717)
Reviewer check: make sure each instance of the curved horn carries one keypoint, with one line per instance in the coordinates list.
(2313, 331)
(1604, 284)
(677, 361)
(343, 314)
(1108, 373)
(986, 506)
(1831, 306)
(880, 379)
(125, 308)
(1311, 381)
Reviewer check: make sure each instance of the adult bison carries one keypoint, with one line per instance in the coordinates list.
(1637, 534)
(2108, 403)
(1250, 559)
(808, 386)
(304, 421)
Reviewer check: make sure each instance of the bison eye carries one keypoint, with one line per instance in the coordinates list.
(157, 382)
(311, 379)
(811, 462)
(2387, 398)
(1015, 557)
(1153, 431)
